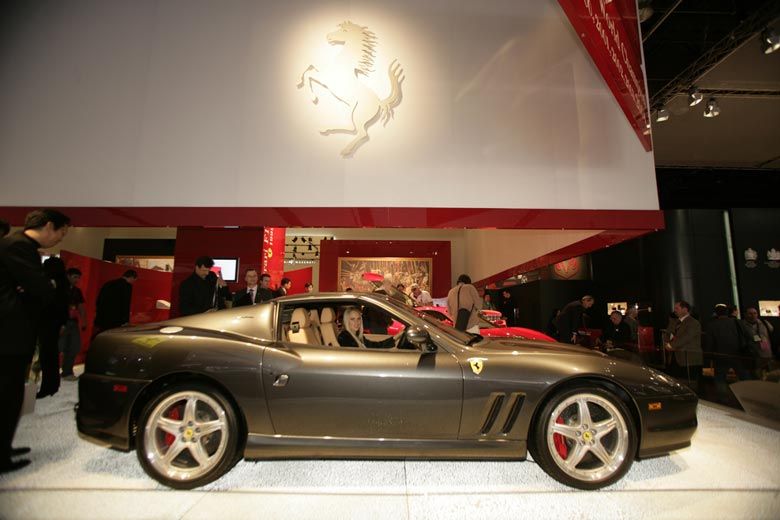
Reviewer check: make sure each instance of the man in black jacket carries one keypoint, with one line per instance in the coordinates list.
(571, 319)
(24, 292)
(203, 290)
(112, 308)
(723, 339)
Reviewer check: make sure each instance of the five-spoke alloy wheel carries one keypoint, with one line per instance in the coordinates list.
(187, 436)
(585, 438)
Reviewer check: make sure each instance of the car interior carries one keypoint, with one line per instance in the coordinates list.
(319, 324)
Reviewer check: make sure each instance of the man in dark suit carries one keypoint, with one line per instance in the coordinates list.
(24, 292)
(203, 290)
(723, 340)
(112, 308)
(248, 295)
(284, 287)
(685, 343)
(264, 293)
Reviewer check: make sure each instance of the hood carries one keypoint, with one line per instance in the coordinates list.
(530, 346)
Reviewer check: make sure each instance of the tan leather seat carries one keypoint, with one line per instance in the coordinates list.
(328, 328)
(314, 317)
(300, 328)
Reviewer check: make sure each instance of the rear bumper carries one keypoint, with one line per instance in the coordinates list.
(104, 408)
(669, 428)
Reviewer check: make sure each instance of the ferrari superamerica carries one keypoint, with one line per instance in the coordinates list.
(195, 395)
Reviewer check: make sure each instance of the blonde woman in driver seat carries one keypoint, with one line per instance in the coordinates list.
(352, 335)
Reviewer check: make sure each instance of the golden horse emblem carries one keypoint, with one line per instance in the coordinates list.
(341, 77)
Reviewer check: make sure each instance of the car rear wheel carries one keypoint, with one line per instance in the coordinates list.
(585, 438)
(187, 436)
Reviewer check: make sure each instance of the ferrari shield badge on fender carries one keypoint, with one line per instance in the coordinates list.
(477, 363)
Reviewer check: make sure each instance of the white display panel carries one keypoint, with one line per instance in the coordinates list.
(228, 267)
(195, 104)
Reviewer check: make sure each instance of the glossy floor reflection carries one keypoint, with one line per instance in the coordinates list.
(731, 471)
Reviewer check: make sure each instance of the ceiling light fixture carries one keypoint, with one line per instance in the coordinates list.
(295, 239)
(770, 40)
(712, 109)
(645, 10)
(695, 97)
(662, 115)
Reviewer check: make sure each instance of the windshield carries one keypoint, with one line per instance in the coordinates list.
(485, 324)
(461, 337)
(452, 332)
(482, 322)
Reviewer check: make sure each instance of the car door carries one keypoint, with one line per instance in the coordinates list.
(362, 393)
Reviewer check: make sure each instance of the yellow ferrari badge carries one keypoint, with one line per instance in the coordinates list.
(477, 364)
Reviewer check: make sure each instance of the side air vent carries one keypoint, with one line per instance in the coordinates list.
(495, 407)
(517, 400)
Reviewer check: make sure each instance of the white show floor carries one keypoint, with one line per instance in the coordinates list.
(731, 471)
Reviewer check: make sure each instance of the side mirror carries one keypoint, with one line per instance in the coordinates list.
(420, 339)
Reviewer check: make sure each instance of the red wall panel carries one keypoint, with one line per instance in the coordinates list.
(439, 251)
(299, 277)
(150, 287)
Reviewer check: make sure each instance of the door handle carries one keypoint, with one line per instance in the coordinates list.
(281, 380)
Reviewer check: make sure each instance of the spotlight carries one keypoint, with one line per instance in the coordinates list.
(295, 239)
(770, 40)
(645, 10)
(695, 97)
(295, 249)
(712, 109)
(310, 240)
(662, 115)
(310, 247)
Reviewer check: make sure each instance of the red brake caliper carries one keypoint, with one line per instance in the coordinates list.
(175, 415)
(560, 444)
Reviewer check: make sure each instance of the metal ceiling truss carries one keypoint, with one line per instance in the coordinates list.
(746, 30)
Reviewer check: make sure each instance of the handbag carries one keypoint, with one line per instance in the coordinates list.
(462, 319)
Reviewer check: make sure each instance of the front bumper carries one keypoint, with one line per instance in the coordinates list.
(668, 423)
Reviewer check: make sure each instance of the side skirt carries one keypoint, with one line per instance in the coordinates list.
(278, 447)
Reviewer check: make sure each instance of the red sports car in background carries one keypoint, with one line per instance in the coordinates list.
(491, 323)
(486, 328)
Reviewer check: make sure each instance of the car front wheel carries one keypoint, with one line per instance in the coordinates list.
(187, 436)
(585, 438)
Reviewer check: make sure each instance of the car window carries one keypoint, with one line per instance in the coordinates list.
(297, 323)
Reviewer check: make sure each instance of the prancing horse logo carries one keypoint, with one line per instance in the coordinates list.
(341, 78)
(477, 364)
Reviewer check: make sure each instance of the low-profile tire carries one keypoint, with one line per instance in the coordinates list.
(188, 436)
(585, 438)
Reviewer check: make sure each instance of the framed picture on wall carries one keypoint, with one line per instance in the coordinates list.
(156, 263)
(401, 270)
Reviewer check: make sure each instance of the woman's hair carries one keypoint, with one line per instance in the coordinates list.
(359, 336)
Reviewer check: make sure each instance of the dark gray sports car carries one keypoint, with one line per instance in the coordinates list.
(194, 395)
